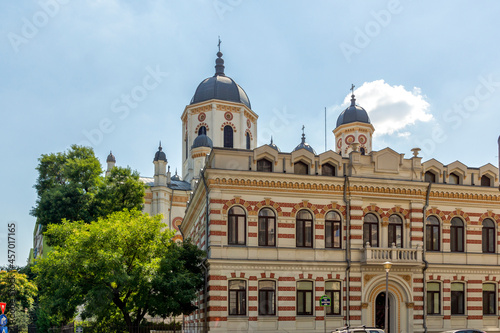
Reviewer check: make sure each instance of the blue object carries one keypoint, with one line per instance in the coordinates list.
(4, 329)
(325, 301)
(3, 321)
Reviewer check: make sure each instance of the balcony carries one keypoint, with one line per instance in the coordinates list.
(398, 256)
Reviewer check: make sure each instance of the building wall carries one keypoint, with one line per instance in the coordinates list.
(378, 189)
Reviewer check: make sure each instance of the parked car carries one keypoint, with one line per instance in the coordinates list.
(360, 329)
(465, 330)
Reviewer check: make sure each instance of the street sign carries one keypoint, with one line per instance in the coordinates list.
(4, 329)
(3, 306)
(3, 320)
(79, 329)
(325, 301)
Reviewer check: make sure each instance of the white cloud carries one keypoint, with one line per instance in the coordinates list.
(391, 108)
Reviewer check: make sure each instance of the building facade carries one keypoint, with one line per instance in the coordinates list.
(283, 229)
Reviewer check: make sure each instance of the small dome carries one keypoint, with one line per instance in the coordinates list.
(111, 158)
(176, 176)
(220, 87)
(160, 155)
(353, 114)
(202, 141)
(272, 145)
(304, 145)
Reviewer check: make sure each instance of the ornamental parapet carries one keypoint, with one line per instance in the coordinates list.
(398, 256)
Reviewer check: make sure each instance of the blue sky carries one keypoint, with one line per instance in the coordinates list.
(426, 71)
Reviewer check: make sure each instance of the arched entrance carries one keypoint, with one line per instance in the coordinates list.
(400, 306)
(380, 312)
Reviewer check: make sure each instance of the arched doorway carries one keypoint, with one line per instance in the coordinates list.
(400, 306)
(380, 312)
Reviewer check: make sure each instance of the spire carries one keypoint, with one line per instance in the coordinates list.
(303, 135)
(271, 139)
(219, 62)
(353, 99)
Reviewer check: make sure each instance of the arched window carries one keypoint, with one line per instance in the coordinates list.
(237, 297)
(485, 181)
(202, 130)
(395, 230)
(264, 165)
(332, 290)
(267, 298)
(247, 136)
(457, 299)
(333, 233)
(304, 229)
(489, 299)
(328, 170)
(433, 298)
(454, 179)
(430, 177)
(362, 151)
(267, 227)
(228, 136)
(236, 219)
(457, 235)
(300, 168)
(432, 235)
(488, 236)
(370, 230)
(305, 299)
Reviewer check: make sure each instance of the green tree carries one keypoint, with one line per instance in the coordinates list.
(17, 290)
(71, 186)
(119, 264)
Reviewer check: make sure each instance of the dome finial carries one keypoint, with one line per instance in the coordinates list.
(159, 147)
(271, 139)
(303, 134)
(353, 100)
(219, 62)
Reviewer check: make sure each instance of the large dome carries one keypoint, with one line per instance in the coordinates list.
(220, 87)
(353, 114)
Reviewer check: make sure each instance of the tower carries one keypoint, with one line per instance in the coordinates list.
(219, 115)
(111, 161)
(354, 130)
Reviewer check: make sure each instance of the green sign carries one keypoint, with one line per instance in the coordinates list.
(325, 301)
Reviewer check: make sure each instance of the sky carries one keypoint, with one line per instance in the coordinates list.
(116, 75)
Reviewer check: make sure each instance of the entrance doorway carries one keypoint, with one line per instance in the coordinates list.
(380, 312)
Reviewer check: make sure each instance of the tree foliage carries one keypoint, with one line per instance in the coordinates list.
(15, 288)
(71, 186)
(126, 263)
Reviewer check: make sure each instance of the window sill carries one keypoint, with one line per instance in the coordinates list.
(237, 317)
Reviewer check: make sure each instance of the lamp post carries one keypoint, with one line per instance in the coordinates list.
(387, 266)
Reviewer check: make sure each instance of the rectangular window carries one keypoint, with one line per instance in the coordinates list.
(236, 226)
(304, 298)
(332, 290)
(332, 233)
(433, 298)
(237, 298)
(267, 298)
(457, 299)
(304, 233)
(489, 299)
